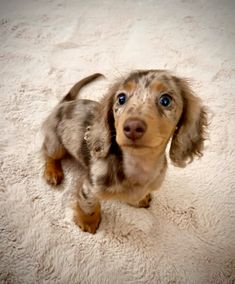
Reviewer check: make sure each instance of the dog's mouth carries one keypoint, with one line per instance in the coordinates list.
(148, 142)
(135, 145)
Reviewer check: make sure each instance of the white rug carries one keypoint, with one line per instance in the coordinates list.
(188, 233)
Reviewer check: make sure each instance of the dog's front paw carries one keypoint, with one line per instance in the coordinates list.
(87, 222)
(145, 202)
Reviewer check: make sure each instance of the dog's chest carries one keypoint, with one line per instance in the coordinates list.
(138, 170)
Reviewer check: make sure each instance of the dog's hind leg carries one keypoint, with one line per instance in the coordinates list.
(53, 153)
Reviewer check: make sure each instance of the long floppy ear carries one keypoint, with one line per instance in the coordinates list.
(100, 134)
(188, 139)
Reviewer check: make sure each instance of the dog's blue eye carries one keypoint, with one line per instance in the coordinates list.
(165, 100)
(121, 99)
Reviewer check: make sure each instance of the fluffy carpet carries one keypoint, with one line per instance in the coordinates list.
(188, 233)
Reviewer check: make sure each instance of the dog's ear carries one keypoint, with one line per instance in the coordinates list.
(188, 138)
(101, 132)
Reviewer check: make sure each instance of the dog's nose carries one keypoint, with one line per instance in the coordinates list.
(134, 128)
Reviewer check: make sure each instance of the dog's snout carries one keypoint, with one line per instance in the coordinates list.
(134, 128)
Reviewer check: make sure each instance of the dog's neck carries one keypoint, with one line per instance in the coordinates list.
(142, 169)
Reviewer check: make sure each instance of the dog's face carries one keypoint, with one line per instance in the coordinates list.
(146, 111)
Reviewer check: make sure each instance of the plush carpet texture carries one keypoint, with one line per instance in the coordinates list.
(188, 233)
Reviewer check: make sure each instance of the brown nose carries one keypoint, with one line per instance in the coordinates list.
(134, 128)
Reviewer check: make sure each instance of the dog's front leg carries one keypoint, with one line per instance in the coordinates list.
(87, 211)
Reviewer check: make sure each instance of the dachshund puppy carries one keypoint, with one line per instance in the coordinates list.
(121, 141)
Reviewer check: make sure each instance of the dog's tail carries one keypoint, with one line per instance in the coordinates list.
(72, 94)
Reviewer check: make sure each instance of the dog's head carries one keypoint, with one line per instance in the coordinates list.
(143, 111)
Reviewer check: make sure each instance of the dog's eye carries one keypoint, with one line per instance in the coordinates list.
(165, 100)
(121, 98)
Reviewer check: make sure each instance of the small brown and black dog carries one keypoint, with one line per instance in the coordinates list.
(121, 141)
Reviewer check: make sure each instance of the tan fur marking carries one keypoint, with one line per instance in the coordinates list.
(53, 173)
(159, 87)
(59, 154)
(87, 222)
(129, 86)
(145, 202)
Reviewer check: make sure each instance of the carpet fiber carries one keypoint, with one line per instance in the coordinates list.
(188, 233)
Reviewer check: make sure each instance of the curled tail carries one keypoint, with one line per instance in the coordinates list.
(72, 94)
